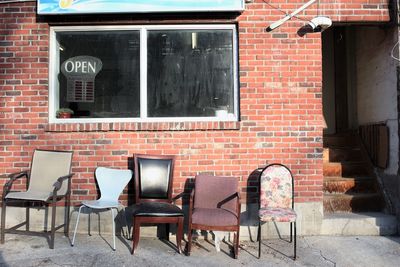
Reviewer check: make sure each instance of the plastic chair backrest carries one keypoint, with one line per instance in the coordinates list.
(111, 182)
(47, 166)
(276, 187)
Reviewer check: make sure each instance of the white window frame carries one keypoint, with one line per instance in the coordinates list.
(54, 70)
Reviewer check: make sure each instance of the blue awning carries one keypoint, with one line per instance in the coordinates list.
(47, 7)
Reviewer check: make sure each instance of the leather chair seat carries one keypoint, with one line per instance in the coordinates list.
(154, 209)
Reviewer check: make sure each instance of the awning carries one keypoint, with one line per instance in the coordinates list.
(54, 7)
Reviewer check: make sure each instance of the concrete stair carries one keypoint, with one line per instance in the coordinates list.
(350, 184)
(367, 223)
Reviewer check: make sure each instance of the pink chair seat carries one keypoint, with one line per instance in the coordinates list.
(277, 215)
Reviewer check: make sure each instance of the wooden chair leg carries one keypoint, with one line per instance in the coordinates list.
(189, 244)
(53, 222)
(179, 234)
(3, 221)
(259, 239)
(237, 243)
(135, 234)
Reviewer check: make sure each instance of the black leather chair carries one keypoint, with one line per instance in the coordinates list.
(153, 195)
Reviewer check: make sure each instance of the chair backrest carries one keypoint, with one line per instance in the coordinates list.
(276, 187)
(47, 166)
(153, 177)
(215, 192)
(111, 182)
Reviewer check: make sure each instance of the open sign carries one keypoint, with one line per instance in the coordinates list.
(80, 72)
(81, 66)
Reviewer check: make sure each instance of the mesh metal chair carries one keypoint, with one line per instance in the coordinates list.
(48, 181)
(277, 199)
(153, 195)
(111, 183)
(215, 205)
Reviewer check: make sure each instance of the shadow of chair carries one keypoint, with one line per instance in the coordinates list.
(276, 200)
(153, 196)
(111, 183)
(48, 181)
(215, 205)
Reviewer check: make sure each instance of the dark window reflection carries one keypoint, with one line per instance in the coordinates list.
(190, 73)
(117, 86)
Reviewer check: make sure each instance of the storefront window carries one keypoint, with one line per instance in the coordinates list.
(144, 73)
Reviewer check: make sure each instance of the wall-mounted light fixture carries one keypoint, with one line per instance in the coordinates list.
(289, 16)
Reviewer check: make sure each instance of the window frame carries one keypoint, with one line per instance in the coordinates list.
(54, 65)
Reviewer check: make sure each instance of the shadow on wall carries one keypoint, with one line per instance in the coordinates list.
(250, 215)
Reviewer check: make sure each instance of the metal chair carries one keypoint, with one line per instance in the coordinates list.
(48, 181)
(215, 205)
(111, 183)
(277, 200)
(153, 195)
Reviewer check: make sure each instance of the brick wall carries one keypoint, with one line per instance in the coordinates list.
(280, 105)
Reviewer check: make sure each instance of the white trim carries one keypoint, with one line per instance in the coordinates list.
(143, 74)
(54, 65)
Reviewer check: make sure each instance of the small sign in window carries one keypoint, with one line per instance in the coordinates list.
(80, 72)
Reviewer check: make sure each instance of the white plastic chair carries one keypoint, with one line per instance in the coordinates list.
(111, 183)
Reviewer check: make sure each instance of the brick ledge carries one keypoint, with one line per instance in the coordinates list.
(141, 126)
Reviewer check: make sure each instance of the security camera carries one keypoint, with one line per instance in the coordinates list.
(320, 24)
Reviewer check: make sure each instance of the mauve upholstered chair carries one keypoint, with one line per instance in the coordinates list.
(215, 205)
(277, 200)
(153, 196)
(48, 181)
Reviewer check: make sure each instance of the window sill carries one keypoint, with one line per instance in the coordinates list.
(141, 126)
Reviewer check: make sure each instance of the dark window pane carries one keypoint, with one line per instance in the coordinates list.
(111, 91)
(190, 73)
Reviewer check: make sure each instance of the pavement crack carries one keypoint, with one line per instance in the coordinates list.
(326, 259)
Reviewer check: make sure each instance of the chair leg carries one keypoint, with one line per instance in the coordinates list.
(27, 219)
(53, 222)
(67, 211)
(259, 239)
(179, 234)
(291, 232)
(89, 223)
(294, 243)
(113, 227)
(76, 225)
(3, 221)
(237, 243)
(135, 234)
(189, 244)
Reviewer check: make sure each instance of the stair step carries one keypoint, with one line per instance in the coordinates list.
(338, 141)
(352, 202)
(344, 154)
(350, 185)
(368, 223)
(345, 169)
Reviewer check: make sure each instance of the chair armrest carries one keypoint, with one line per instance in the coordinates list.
(239, 202)
(57, 185)
(13, 177)
(180, 195)
(191, 201)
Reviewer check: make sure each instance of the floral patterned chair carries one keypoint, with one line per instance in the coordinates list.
(276, 199)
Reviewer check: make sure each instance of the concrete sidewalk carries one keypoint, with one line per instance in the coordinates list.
(95, 250)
